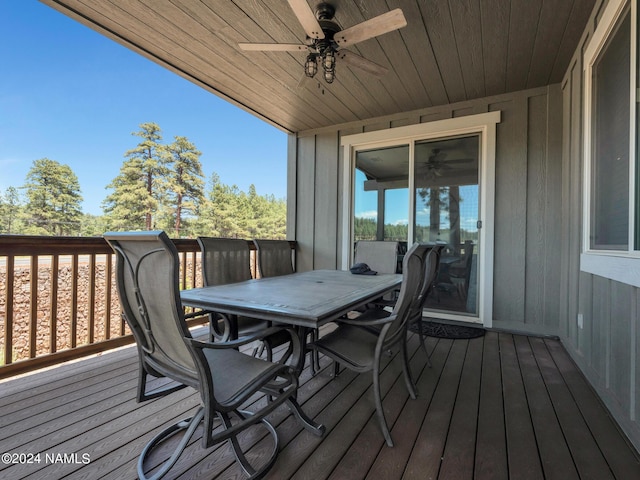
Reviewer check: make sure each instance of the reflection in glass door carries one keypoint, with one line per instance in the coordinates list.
(381, 194)
(433, 182)
(447, 212)
(431, 198)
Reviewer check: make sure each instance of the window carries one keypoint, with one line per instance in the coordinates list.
(611, 244)
(609, 225)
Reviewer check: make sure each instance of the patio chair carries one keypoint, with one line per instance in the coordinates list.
(457, 274)
(273, 258)
(430, 273)
(360, 348)
(430, 255)
(460, 273)
(381, 257)
(148, 286)
(228, 260)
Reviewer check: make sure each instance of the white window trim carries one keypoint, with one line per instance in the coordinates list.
(615, 265)
(483, 124)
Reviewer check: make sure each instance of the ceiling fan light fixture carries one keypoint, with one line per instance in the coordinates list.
(326, 39)
(328, 59)
(329, 76)
(329, 64)
(310, 66)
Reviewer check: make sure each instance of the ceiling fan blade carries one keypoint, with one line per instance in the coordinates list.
(387, 22)
(272, 47)
(357, 61)
(306, 18)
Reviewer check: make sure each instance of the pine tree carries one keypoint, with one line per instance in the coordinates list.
(185, 182)
(54, 199)
(219, 215)
(10, 209)
(139, 189)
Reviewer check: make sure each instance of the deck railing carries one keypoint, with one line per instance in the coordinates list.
(58, 299)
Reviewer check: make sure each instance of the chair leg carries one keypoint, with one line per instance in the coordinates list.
(422, 344)
(406, 371)
(378, 401)
(315, 428)
(249, 470)
(190, 425)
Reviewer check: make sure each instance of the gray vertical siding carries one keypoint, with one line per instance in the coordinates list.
(538, 286)
(528, 194)
(606, 348)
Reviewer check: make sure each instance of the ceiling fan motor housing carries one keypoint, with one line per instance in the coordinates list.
(325, 11)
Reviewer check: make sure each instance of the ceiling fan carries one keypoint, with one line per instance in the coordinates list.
(326, 39)
(437, 164)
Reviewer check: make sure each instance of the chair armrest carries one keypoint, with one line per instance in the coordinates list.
(360, 321)
(246, 339)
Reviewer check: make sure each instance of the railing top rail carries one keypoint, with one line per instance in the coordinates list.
(27, 245)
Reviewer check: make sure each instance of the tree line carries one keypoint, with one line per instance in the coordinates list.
(367, 229)
(159, 186)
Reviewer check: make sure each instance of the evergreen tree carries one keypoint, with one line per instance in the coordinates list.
(93, 226)
(219, 215)
(10, 210)
(139, 189)
(229, 212)
(125, 206)
(185, 181)
(54, 200)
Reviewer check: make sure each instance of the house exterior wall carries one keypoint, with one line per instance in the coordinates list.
(538, 285)
(607, 347)
(528, 199)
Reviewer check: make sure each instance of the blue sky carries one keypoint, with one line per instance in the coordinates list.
(69, 94)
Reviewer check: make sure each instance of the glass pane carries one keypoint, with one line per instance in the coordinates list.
(365, 221)
(446, 180)
(610, 162)
(381, 207)
(396, 210)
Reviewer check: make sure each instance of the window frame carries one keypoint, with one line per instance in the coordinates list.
(485, 126)
(619, 265)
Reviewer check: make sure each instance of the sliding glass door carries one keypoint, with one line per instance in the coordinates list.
(447, 212)
(431, 182)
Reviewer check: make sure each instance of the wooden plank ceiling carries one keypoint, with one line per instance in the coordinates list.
(448, 52)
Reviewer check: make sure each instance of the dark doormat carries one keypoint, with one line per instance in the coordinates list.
(444, 330)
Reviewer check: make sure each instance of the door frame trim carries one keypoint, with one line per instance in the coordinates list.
(484, 125)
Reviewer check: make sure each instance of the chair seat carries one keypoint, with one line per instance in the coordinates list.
(350, 344)
(234, 373)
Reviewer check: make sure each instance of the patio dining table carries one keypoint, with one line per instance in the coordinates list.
(305, 300)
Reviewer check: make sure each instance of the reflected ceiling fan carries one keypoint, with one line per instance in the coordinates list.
(326, 39)
(437, 163)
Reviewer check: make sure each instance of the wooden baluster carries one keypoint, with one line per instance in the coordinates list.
(33, 306)
(53, 327)
(8, 325)
(92, 298)
(74, 300)
(193, 269)
(108, 285)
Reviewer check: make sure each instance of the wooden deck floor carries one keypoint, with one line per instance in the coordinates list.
(497, 407)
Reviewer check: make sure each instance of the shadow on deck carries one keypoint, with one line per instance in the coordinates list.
(502, 406)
